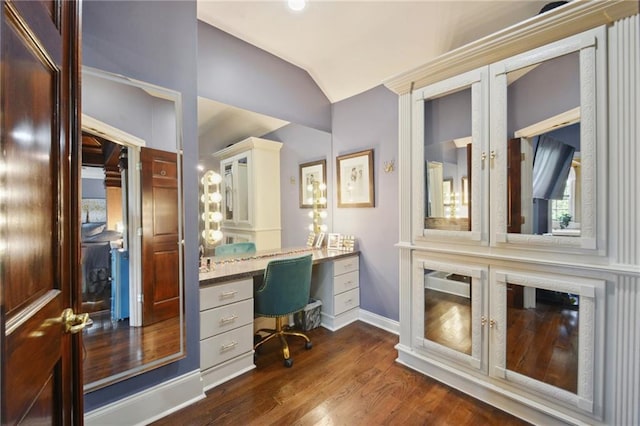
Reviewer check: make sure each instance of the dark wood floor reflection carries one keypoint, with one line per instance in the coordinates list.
(542, 342)
(447, 320)
(111, 347)
(350, 377)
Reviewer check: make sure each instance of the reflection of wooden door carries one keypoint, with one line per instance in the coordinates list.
(514, 208)
(160, 251)
(40, 375)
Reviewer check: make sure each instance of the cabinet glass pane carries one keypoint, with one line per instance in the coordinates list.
(543, 151)
(542, 335)
(243, 190)
(228, 191)
(447, 147)
(447, 310)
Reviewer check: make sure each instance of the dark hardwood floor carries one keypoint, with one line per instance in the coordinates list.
(349, 377)
(111, 347)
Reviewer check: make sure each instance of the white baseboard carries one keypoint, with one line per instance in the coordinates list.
(151, 404)
(379, 321)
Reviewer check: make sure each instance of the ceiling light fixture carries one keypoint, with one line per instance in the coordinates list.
(296, 5)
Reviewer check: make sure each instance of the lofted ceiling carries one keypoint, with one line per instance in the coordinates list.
(348, 47)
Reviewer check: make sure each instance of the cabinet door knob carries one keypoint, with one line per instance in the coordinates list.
(483, 320)
(492, 323)
(493, 155)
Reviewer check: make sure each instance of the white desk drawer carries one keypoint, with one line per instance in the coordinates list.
(224, 318)
(223, 294)
(345, 282)
(225, 346)
(347, 300)
(348, 264)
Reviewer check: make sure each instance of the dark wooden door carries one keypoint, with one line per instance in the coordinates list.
(514, 182)
(40, 376)
(160, 236)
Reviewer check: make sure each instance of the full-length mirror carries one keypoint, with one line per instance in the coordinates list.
(131, 232)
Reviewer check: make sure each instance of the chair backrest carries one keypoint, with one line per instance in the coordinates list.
(235, 248)
(286, 287)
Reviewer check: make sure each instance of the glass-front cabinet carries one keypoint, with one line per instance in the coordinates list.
(508, 153)
(236, 200)
(450, 134)
(536, 331)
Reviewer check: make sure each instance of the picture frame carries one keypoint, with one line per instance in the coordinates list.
(355, 179)
(333, 242)
(320, 240)
(465, 190)
(308, 173)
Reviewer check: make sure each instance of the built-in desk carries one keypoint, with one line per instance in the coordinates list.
(226, 304)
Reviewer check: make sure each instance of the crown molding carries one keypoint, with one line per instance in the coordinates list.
(567, 20)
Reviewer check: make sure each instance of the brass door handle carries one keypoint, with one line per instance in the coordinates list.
(73, 323)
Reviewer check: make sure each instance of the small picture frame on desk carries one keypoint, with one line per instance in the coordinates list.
(347, 243)
(333, 242)
(311, 239)
(320, 240)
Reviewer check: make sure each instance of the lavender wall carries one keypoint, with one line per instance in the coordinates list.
(301, 145)
(370, 120)
(131, 38)
(237, 73)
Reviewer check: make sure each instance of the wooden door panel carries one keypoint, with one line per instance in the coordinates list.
(38, 74)
(514, 182)
(160, 236)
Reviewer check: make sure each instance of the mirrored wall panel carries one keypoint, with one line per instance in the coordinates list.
(542, 335)
(543, 152)
(447, 154)
(447, 310)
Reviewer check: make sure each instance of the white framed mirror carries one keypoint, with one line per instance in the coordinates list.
(547, 145)
(131, 227)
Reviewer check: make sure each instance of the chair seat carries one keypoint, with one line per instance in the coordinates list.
(285, 290)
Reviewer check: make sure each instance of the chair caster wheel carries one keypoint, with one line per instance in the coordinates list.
(288, 362)
(308, 345)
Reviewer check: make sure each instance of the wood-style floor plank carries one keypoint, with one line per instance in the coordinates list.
(349, 377)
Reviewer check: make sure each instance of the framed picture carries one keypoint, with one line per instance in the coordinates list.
(320, 240)
(333, 241)
(465, 191)
(316, 171)
(355, 179)
(94, 210)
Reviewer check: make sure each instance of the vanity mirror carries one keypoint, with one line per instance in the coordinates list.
(132, 281)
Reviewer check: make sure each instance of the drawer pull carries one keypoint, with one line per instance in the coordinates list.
(348, 301)
(228, 294)
(228, 346)
(227, 320)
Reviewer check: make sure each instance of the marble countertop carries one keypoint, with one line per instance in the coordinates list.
(248, 265)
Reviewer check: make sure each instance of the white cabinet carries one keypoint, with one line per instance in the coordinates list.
(497, 298)
(531, 329)
(250, 171)
(504, 151)
(226, 331)
(337, 284)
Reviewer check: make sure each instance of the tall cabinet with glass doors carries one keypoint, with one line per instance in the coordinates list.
(503, 263)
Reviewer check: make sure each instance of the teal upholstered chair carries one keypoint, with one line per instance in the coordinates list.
(235, 248)
(284, 291)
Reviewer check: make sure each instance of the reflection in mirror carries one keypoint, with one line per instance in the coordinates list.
(447, 150)
(447, 310)
(219, 126)
(543, 151)
(131, 215)
(542, 335)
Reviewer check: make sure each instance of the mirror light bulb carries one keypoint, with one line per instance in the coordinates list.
(216, 178)
(216, 217)
(311, 214)
(323, 186)
(216, 197)
(311, 227)
(217, 235)
(323, 200)
(323, 214)
(323, 228)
